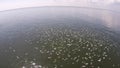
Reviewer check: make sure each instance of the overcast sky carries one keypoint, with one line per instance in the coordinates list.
(13, 4)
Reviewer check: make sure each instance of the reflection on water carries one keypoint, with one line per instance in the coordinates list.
(111, 20)
(64, 37)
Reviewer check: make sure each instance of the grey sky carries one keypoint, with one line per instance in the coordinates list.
(13, 4)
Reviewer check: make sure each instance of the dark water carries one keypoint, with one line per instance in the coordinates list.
(59, 37)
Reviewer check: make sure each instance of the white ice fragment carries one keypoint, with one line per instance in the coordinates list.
(83, 66)
(26, 53)
(23, 67)
(14, 50)
(17, 57)
(49, 57)
(99, 60)
(55, 48)
(101, 45)
(69, 44)
(36, 48)
(33, 63)
(86, 63)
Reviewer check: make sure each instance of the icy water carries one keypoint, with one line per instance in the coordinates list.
(59, 37)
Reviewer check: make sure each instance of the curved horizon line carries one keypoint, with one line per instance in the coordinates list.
(62, 6)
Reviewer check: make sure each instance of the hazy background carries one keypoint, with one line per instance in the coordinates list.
(13, 4)
(111, 19)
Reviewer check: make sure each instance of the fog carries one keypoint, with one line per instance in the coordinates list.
(110, 18)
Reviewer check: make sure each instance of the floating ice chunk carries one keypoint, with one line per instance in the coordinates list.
(99, 60)
(14, 50)
(33, 63)
(17, 57)
(23, 67)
